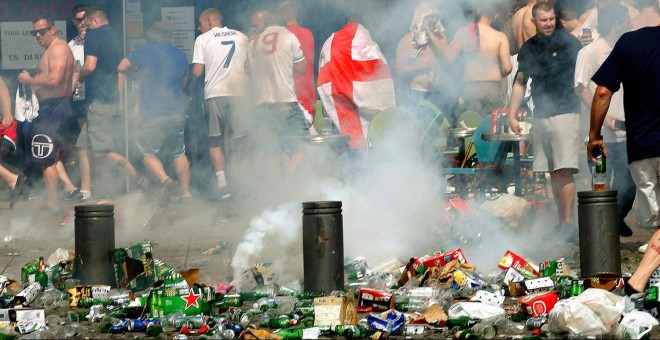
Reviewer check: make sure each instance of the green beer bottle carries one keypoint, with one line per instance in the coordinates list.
(41, 275)
(154, 330)
(253, 296)
(463, 322)
(282, 322)
(651, 298)
(290, 334)
(356, 332)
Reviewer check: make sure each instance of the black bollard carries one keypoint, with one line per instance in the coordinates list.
(323, 246)
(95, 242)
(600, 252)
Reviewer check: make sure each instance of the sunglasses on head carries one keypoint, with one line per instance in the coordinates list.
(40, 31)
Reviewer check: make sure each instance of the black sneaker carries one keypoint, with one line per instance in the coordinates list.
(624, 230)
(74, 196)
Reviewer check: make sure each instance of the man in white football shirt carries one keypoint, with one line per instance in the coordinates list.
(273, 55)
(220, 55)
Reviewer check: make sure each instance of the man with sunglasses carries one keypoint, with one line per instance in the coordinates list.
(53, 84)
(78, 100)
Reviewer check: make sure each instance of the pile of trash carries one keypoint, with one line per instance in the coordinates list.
(433, 295)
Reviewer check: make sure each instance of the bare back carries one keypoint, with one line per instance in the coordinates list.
(522, 26)
(58, 64)
(491, 61)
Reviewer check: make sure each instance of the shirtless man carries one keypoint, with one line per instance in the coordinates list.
(649, 14)
(485, 54)
(418, 54)
(522, 26)
(53, 84)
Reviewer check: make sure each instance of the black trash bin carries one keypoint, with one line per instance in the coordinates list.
(95, 242)
(323, 246)
(600, 251)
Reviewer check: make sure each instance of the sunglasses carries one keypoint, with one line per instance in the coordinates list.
(77, 20)
(41, 31)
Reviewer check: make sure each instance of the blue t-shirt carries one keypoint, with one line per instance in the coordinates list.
(635, 62)
(104, 44)
(162, 69)
(550, 62)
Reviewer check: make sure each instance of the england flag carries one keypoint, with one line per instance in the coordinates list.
(354, 81)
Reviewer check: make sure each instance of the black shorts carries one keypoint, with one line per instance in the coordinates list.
(45, 135)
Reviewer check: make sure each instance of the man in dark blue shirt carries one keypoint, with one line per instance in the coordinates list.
(163, 72)
(102, 135)
(548, 59)
(635, 62)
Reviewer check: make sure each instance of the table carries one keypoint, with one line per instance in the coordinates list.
(461, 133)
(509, 141)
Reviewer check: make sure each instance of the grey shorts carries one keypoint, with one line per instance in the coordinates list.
(645, 174)
(161, 133)
(104, 130)
(227, 116)
(556, 142)
(280, 122)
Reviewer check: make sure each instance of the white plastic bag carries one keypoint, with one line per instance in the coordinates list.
(26, 109)
(474, 310)
(594, 312)
(634, 325)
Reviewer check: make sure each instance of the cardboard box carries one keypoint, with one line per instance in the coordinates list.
(538, 285)
(374, 300)
(437, 259)
(538, 304)
(330, 310)
(82, 292)
(513, 260)
(134, 267)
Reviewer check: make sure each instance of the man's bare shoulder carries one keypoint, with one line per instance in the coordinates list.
(58, 47)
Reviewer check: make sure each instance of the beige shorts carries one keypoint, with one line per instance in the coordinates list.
(645, 174)
(556, 143)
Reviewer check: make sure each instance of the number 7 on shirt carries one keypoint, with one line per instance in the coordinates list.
(230, 54)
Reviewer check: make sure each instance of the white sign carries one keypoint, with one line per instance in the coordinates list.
(20, 49)
(181, 18)
(133, 9)
(185, 40)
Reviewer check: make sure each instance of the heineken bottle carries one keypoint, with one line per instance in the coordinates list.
(41, 275)
(356, 332)
(282, 322)
(462, 322)
(291, 334)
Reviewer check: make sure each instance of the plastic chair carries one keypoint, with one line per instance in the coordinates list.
(431, 138)
(391, 127)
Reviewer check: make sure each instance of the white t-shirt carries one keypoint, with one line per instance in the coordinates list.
(222, 51)
(588, 61)
(272, 55)
(77, 46)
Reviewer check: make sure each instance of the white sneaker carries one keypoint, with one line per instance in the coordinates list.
(642, 248)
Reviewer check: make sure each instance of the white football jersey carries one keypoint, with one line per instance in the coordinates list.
(271, 56)
(222, 51)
